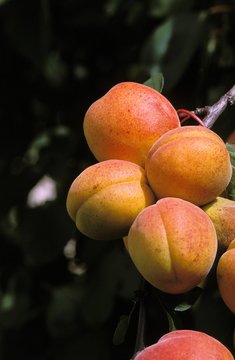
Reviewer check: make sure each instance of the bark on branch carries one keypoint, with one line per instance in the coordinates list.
(209, 114)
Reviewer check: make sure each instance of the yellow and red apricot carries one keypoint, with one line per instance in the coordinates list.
(173, 244)
(226, 276)
(126, 121)
(222, 213)
(189, 162)
(185, 345)
(106, 197)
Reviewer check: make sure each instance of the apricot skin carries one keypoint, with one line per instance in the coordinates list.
(189, 162)
(126, 121)
(106, 197)
(185, 345)
(226, 276)
(173, 244)
(222, 213)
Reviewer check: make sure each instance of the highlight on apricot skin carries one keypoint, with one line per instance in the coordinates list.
(190, 162)
(106, 197)
(173, 244)
(226, 276)
(186, 345)
(126, 121)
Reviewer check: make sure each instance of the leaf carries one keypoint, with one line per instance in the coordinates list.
(2, 2)
(172, 45)
(121, 330)
(158, 43)
(231, 186)
(183, 306)
(162, 8)
(231, 150)
(181, 302)
(156, 81)
(122, 327)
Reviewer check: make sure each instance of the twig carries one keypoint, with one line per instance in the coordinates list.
(209, 114)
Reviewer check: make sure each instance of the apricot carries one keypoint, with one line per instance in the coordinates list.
(222, 213)
(126, 121)
(173, 244)
(106, 197)
(189, 162)
(226, 276)
(186, 345)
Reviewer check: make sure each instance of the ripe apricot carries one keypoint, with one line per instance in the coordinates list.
(173, 244)
(106, 197)
(126, 121)
(189, 162)
(186, 345)
(226, 276)
(222, 213)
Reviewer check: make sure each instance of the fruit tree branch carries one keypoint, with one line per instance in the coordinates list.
(209, 114)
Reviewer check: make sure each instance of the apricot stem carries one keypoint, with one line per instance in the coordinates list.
(209, 114)
(189, 114)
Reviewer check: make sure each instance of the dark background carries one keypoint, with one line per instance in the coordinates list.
(56, 58)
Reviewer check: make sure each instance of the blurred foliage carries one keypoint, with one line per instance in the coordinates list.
(231, 186)
(61, 294)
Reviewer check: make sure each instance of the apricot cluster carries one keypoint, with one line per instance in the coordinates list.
(155, 184)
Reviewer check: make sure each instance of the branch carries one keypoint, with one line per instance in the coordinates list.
(209, 114)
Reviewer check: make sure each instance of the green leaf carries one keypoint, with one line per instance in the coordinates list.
(181, 302)
(2, 2)
(158, 43)
(162, 8)
(122, 327)
(172, 45)
(231, 186)
(183, 306)
(156, 81)
(231, 150)
(121, 330)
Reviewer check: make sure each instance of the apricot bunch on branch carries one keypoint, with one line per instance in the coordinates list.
(144, 154)
(158, 184)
